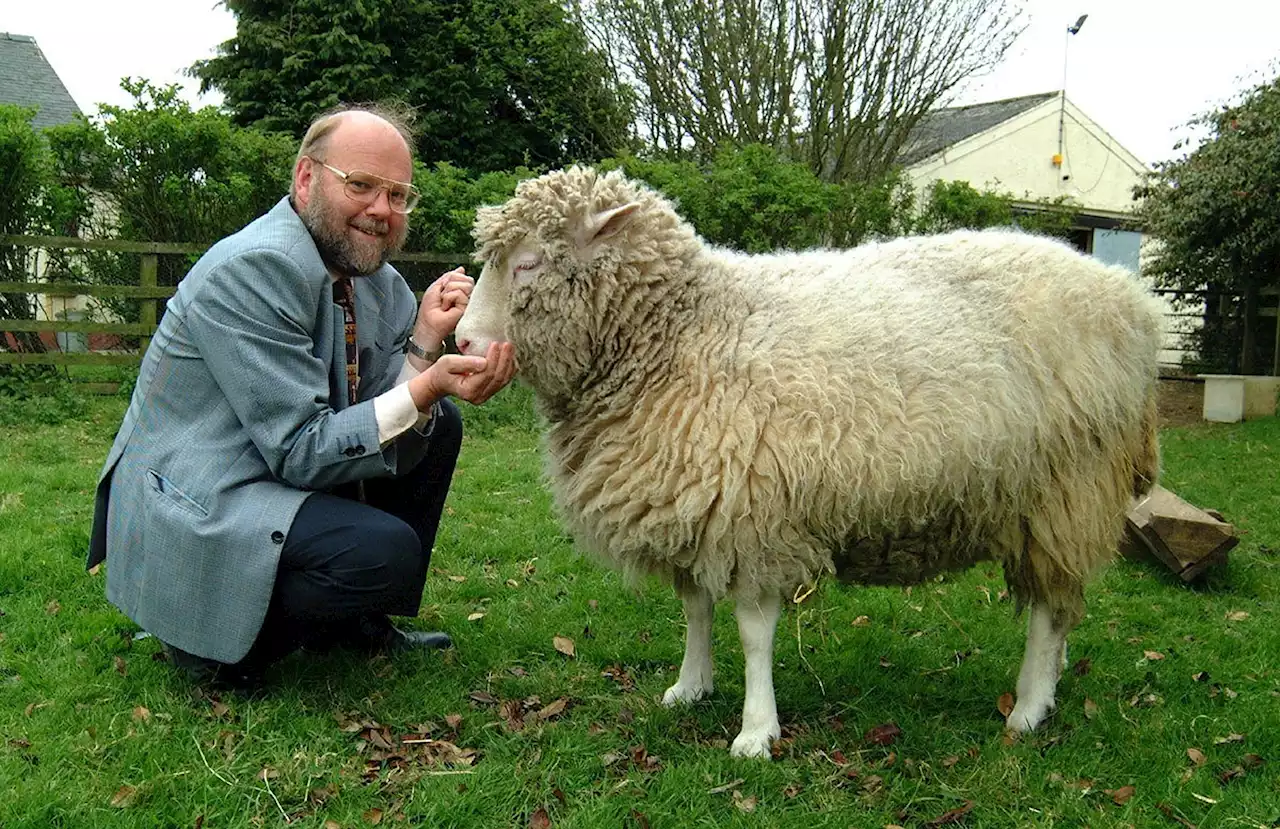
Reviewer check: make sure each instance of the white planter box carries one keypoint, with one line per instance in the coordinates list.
(1230, 398)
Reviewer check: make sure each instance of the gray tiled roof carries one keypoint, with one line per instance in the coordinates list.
(944, 128)
(27, 79)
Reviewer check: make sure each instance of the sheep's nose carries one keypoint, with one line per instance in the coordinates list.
(464, 345)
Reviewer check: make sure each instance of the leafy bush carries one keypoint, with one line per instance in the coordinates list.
(160, 171)
(37, 396)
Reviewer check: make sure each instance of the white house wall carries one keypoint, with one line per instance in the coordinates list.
(1017, 157)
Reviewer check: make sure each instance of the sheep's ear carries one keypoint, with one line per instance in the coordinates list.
(606, 223)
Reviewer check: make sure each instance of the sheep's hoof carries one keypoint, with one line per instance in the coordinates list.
(1027, 715)
(680, 693)
(752, 744)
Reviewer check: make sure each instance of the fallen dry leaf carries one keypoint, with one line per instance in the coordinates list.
(952, 816)
(540, 820)
(513, 712)
(1201, 676)
(484, 698)
(475, 617)
(141, 714)
(453, 721)
(1196, 755)
(53, 607)
(727, 786)
(1230, 774)
(121, 667)
(95, 569)
(458, 579)
(619, 675)
(1090, 708)
(1005, 704)
(332, 824)
(883, 735)
(950, 761)
(564, 645)
(123, 798)
(792, 790)
(745, 804)
(862, 621)
(1082, 667)
(373, 816)
(555, 709)
(1237, 615)
(268, 773)
(1230, 738)
(1121, 795)
(1154, 656)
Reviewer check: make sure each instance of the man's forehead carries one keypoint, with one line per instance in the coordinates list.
(367, 142)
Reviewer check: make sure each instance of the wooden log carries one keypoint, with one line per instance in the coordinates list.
(1186, 539)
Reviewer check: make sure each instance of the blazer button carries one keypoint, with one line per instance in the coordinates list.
(277, 537)
(359, 449)
(349, 452)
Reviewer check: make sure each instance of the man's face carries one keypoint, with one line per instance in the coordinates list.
(354, 239)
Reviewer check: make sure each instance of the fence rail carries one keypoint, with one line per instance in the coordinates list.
(149, 294)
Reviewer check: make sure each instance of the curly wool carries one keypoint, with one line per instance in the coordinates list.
(883, 413)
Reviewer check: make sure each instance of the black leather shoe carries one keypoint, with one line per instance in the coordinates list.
(376, 634)
(410, 640)
(214, 674)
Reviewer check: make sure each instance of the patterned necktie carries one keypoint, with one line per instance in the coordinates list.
(344, 293)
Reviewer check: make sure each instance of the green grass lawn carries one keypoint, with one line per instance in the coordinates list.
(1171, 716)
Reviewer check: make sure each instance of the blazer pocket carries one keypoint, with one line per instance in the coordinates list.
(165, 488)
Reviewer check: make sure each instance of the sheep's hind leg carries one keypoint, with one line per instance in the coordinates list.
(1041, 667)
(757, 620)
(695, 680)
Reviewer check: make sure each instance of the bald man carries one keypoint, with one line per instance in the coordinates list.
(282, 467)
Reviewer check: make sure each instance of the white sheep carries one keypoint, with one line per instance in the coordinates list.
(742, 425)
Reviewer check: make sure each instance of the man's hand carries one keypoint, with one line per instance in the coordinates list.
(473, 379)
(442, 306)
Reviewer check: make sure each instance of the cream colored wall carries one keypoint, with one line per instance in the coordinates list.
(1016, 157)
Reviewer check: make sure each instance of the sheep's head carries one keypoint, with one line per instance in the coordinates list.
(562, 259)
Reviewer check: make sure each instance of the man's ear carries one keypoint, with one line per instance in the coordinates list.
(606, 223)
(303, 177)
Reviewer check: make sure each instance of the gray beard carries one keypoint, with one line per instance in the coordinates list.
(328, 230)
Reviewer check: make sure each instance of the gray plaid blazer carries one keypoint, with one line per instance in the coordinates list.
(240, 412)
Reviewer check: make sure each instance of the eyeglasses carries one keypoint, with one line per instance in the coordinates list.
(362, 187)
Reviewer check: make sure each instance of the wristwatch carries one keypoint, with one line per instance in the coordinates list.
(411, 347)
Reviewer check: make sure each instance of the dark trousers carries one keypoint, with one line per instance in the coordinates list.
(345, 562)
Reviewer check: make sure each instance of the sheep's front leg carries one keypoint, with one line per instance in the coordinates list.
(757, 620)
(1041, 667)
(695, 680)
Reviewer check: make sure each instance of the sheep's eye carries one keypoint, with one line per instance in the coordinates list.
(526, 265)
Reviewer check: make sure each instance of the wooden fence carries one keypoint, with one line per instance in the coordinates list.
(149, 294)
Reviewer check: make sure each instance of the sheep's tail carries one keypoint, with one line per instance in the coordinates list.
(1146, 460)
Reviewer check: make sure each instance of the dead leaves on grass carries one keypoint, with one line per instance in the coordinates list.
(381, 748)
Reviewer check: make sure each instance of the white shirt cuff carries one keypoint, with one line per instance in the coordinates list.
(395, 411)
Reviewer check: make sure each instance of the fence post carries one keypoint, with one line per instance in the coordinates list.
(147, 279)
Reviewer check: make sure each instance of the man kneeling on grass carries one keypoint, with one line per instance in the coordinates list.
(283, 464)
